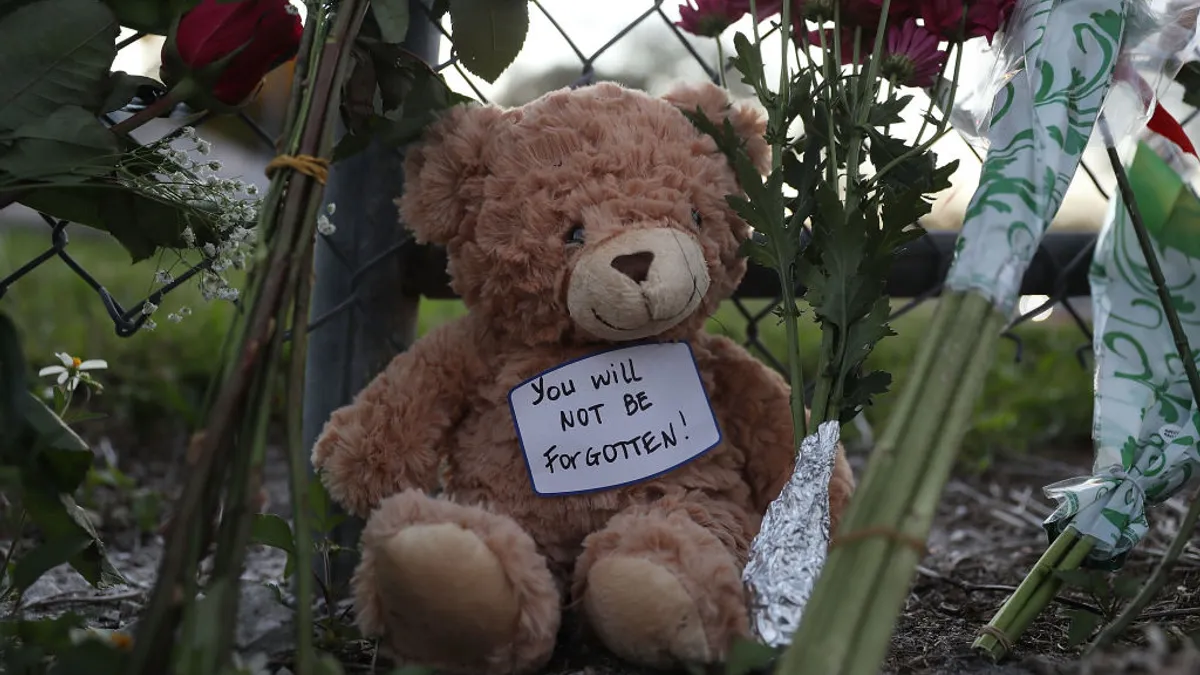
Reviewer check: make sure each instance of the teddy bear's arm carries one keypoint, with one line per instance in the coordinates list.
(390, 436)
(758, 419)
(757, 416)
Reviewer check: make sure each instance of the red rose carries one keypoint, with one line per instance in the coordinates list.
(267, 32)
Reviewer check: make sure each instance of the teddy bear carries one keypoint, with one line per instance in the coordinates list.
(577, 441)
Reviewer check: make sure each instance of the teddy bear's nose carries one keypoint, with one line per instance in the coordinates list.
(636, 266)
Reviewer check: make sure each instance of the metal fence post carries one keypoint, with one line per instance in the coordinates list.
(373, 317)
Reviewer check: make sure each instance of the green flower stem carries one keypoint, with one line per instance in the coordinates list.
(851, 614)
(1034, 593)
(286, 229)
(169, 100)
(827, 394)
(895, 574)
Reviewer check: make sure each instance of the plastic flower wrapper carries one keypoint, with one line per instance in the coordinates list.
(1146, 418)
(789, 550)
(1114, 517)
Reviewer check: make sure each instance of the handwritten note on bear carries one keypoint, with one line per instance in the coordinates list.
(614, 418)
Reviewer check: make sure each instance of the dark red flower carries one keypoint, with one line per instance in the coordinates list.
(866, 13)
(943, 18)
(267, 32)
(709, 18)
(912, 57)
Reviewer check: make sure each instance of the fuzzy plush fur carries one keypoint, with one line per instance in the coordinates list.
(585, 218)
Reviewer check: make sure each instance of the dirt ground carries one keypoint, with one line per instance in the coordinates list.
(986, 536)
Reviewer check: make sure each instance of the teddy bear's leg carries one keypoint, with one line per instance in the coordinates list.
(455, 587)
(659, 589)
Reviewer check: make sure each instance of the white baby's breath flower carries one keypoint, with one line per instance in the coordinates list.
(189, 236)
(202, 146)
(331, 208)
(325, 226)
(251, 189)
(174, 318)
(149, 308)
(163, 277)
(149, 325)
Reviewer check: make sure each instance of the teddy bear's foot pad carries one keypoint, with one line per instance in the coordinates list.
(448, 601)
(642, 613)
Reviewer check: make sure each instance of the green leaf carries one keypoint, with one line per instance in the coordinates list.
(68, 145)
(149, 16)
(90, 657)
(122, 87)
(1126, 587)
(56, 53)
(49, 428)
(269, 529)
(747, 656)
(413, 96)
(889, 111)
(1189, 77)
(59, 517)
(1083, 624)
(488, 34)
(140, 223)
(392, 17)
(47, 556)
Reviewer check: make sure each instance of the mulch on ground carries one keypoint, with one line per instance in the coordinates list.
(986, 536)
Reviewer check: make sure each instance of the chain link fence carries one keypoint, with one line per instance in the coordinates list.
(371, 277)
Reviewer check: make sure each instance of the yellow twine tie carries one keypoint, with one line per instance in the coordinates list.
(314, 167)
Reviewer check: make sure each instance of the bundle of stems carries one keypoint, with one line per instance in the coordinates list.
(1070, 548)
(179, 631)
(849, 619)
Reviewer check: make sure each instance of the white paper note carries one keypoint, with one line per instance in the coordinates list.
(613, 418)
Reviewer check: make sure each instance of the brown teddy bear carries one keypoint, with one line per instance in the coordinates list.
(628, 485)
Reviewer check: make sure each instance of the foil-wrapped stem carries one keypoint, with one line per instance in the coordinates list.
(789, 551)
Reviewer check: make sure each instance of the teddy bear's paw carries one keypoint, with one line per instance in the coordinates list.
(446, 598)
(642, 613)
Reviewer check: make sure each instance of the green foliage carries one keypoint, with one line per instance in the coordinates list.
(1107, 590)
(856, 232)
(50, 462)
(488, 34)
(390, 97)
(392, 18)
(56, 53)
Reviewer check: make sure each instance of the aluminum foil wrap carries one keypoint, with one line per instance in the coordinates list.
(789, 551)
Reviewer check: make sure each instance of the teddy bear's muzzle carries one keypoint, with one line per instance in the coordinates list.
(638, 284)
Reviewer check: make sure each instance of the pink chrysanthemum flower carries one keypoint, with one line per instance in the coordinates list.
(912, 57)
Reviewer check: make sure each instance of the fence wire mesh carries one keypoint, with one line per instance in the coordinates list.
(1056, 279)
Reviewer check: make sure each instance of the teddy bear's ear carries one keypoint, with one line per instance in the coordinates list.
(443, 173)
(748, 122)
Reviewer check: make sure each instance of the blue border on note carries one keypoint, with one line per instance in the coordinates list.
(512, 413)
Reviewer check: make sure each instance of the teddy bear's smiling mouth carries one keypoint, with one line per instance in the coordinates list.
(669, 320)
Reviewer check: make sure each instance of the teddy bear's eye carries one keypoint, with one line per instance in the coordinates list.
(696, 219)
(575, 236)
